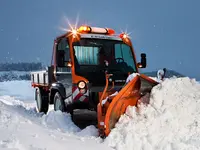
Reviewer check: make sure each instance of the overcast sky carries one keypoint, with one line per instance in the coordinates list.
(168, 31)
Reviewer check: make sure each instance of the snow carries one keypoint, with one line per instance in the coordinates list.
(19, 89)
(131, 77)
(22, 128)
(169, 122)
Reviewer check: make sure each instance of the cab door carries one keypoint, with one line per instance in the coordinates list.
(63, 72)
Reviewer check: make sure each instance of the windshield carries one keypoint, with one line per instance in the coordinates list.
(91, 55)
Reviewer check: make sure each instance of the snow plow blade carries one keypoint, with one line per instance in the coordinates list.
(110, 111)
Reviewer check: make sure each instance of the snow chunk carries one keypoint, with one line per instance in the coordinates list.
(131, 77)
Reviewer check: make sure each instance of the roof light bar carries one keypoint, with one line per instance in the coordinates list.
(98, 30)
(87, 29)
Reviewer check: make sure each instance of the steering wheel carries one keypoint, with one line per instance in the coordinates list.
(119, 60)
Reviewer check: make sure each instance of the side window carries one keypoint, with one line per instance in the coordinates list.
(63, 50)
(124, 51)
(64, 46)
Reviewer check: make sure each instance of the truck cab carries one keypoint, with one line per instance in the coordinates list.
(80, 59)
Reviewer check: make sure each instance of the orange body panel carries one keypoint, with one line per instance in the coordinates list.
(129, 95)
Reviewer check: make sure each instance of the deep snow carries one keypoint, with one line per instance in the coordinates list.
(170, 122)
(22, 128)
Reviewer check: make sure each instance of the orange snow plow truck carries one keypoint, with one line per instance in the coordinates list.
(89, 66)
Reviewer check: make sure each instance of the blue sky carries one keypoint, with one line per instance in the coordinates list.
(166, 30)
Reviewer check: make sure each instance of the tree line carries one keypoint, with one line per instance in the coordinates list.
(10, 76)
(21, 66)
(11, 71)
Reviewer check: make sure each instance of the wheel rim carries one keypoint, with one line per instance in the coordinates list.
(58, 105)
(38, 100)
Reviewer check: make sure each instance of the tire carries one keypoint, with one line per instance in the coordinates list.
(59, 103)
(42, 101)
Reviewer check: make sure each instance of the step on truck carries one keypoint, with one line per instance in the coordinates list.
(88, 65)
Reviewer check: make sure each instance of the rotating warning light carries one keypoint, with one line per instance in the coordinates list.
(123, 36)
(74, 32)
(83, 29)
(110, 31)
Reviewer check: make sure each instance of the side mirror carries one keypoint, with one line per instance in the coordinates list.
(143, 62)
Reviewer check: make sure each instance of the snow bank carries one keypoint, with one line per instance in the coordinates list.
(23, 131)
(170, 122)
(22, 128)
(20, 96)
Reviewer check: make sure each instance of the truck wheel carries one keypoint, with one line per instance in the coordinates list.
(42, 100)
(59, 102)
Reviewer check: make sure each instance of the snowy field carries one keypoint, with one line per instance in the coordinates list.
(170, 122)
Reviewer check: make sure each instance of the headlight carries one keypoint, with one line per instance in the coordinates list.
(81, 85)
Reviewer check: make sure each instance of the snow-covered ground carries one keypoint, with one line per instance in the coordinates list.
(20, 90)
(22, 128)
(170, 122)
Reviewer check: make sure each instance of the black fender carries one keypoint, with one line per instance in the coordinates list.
(57, 87)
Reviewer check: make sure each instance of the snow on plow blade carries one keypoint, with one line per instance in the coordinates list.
(110, 112)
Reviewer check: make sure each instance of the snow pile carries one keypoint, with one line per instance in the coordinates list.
(60, 121)
(89, 131)
(170, 122)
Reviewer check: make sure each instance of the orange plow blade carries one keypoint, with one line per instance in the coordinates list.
(110, 111)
